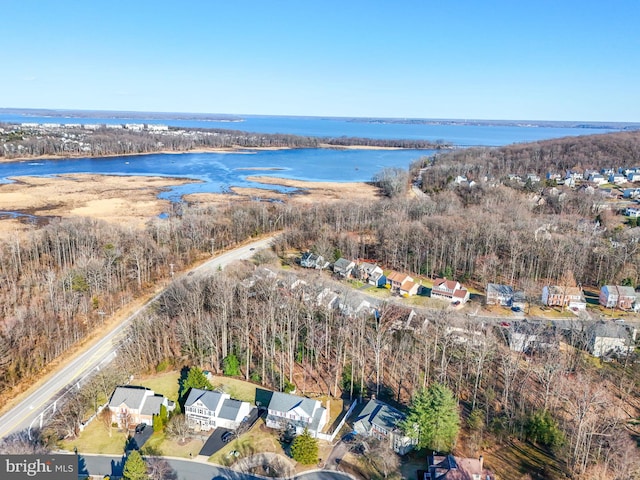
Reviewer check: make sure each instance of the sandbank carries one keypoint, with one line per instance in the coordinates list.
(123, 200)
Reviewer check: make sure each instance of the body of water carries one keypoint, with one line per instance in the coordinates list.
(456, 134)
(217, 172)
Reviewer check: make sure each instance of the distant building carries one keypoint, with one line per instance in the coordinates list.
(504, 295)
(607, 338)
(449, 290)
(617, 296)
(559, 296)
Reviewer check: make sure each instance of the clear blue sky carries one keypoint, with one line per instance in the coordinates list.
(506, 59)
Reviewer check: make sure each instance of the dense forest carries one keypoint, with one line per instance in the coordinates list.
(57, 285)
(18, 142)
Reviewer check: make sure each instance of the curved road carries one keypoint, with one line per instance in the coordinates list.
(191, 469)
(100, 353)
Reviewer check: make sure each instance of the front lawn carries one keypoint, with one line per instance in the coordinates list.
(96, 439)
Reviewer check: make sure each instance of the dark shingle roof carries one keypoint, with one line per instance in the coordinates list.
(209, 398)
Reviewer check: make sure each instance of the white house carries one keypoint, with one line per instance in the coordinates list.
(286, 410)
(608, 337)
(205, 410)
(449, 290)
(633, 177)
(617, 178)
(633, 212)
(597, 178)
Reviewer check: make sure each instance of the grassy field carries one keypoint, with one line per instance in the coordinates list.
(160, 444)
(238, 389)
(96, 439)
(258, 439)
(165, 383)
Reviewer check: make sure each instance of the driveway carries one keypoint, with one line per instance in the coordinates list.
(140, 438)
(215, 443)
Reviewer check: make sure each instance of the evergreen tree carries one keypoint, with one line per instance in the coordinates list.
(195, 379)
(231, 365)
(433, 418)
(304, 449)
(134, 467)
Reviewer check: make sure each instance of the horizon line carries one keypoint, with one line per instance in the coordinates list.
(240, 115)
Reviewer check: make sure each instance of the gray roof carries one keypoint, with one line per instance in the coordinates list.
(230, 409)
(209, 398)
(342, 263)
(623, 291)
(152, 405)
(139, 398)
(285, 402)
(132, 397)
(377, 413)
(609, 330)
(498, 289)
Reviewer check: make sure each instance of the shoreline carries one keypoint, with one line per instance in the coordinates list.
(237, 150)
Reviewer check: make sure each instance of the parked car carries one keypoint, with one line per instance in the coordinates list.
(226, 436)
(516, 309)
(505, 324)
(140, 427)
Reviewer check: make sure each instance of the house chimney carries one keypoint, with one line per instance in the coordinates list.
(481, 459)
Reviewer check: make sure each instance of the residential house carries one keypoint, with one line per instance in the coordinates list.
(553, 176)
(533, 178)
(311, 260)
(205, 410)
(328, 299)
(396, 279)
(631, 192)
(504, 295)
(344, 267)
(352, 305)
(131, 406)
(291, 411)
(597, 178)
(448, 467)
(379, 420)
(617, 296)
(632, 212)
(606, 338)
(558, 296)
(633, 177)
(607, 171)
(371, 274)
(527, 337)
(617, 178)
(461, 180)
(574, 175)
(449, 290)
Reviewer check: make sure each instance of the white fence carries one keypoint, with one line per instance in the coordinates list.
(330, 437)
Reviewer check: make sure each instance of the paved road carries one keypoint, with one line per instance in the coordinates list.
(101, 352)
(190, 470)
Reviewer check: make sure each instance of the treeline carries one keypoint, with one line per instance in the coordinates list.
(610, 150)
(54, 285)
(18, 142)
(65, 279)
